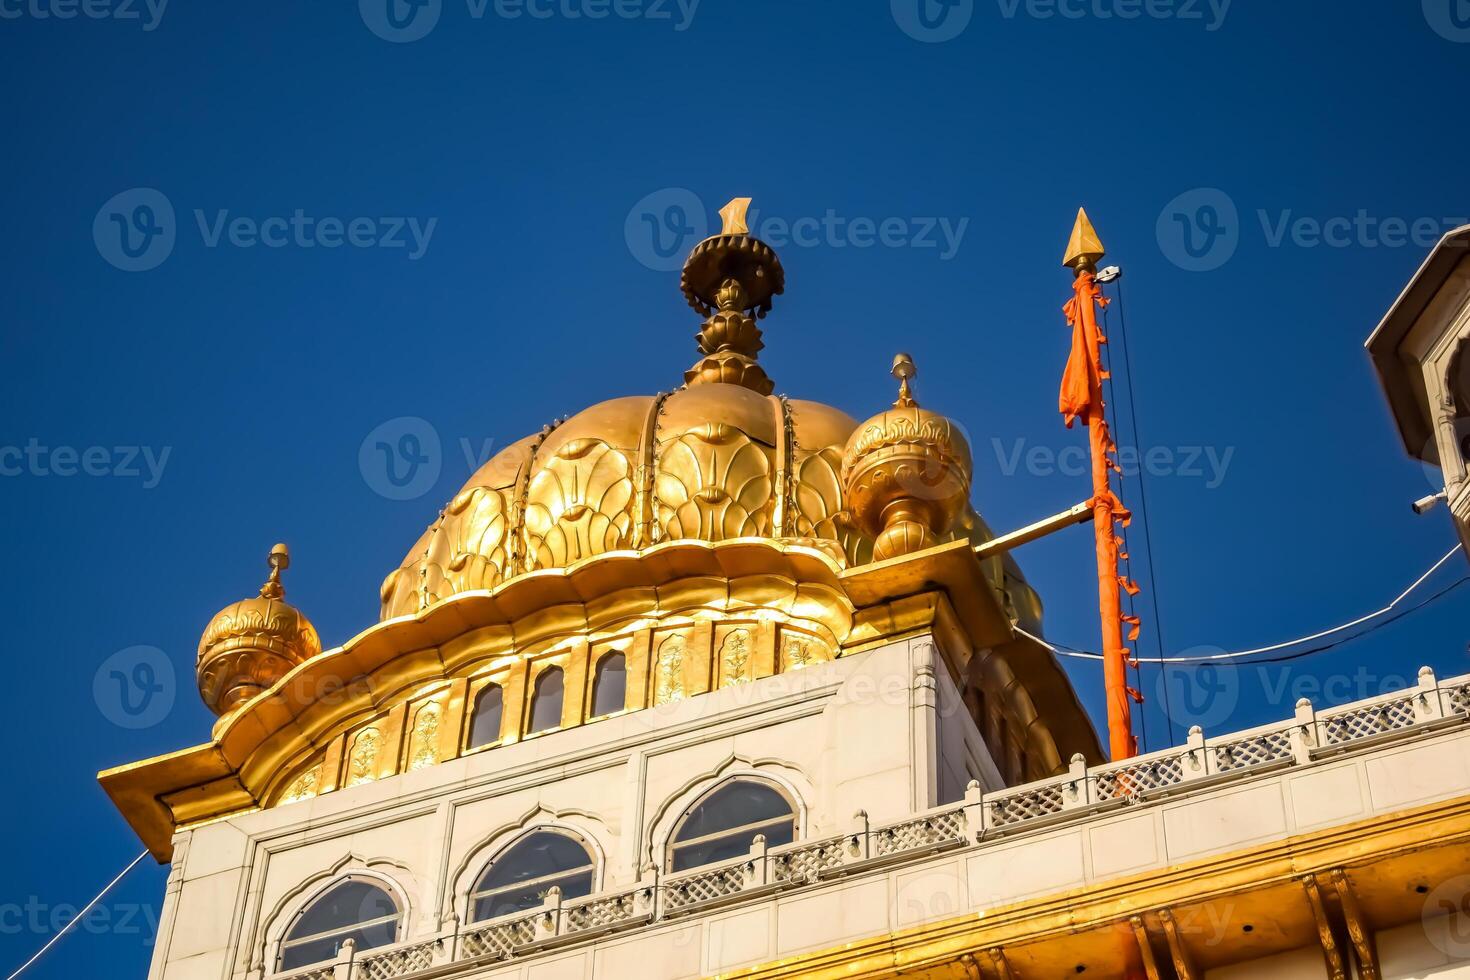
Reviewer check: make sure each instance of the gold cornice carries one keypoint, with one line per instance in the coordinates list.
(1433, 836)
(271, 739)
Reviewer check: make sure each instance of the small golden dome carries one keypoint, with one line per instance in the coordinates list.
(906, 472)
(250, 645)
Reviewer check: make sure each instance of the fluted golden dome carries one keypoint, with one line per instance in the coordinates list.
(906, 472)
(251, 644)
(718, 458)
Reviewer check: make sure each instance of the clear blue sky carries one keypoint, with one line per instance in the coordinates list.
(530, 143)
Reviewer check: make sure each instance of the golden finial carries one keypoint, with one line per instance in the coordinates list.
(280, 557)
(1085, 248)
(734, 216)
(904, 369)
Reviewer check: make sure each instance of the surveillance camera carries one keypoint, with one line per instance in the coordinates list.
(1109, 274)
(1425, 504)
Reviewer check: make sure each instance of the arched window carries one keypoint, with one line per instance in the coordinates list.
(355, 909)
(521, 876)
(725, 823)
(485, 718)
(546, 705)
(610, 690)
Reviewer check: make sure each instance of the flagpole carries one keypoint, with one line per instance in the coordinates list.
(1082, 397)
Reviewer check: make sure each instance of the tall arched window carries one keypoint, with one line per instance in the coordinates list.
(521, 876)
(725, 823)
(485, 718)
(610, 689)
(356, 909)
(546, 705)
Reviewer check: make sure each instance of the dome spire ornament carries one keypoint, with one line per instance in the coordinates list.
(251, 645)
(730, 278)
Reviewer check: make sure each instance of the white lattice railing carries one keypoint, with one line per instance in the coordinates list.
(1075, 794)
(598, 913)
(397, 962)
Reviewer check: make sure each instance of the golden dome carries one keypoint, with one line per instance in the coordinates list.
(906, 472)
(718, 458)
(250, 645)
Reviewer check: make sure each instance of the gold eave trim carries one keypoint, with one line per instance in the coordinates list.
(385, 663)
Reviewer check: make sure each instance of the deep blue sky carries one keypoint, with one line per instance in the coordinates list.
(531, 142)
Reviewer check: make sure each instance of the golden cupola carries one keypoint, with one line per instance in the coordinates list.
(906, 473)
(718, 458)
(251, 644)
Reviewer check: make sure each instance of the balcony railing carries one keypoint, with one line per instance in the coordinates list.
(1073, 795)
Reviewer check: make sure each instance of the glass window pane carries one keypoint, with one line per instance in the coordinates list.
(316, 951)
(524, 899)
(344, 905)
(610, 692)
(731, 846)
(733, 805)
(536, 856)
(546, 707)
(485, 722)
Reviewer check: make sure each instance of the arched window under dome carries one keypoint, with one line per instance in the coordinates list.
(356, 909)
(724, 824)
(521, 876)
(610, 689)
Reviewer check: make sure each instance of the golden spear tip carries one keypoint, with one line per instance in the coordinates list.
(1085, 248)
(734, 216)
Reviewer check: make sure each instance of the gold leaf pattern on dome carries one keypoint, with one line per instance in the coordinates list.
(820, 506)
(579, 504)
(303, 786)
(362, 761)
(669, 673)
(735, 658)
(423, 743)
(714, 482)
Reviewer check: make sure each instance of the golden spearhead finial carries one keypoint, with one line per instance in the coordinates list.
(904, 369)
(1085, 248)
(734, 216)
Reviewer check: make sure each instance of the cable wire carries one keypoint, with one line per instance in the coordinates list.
(1065, 651)
(77, 918)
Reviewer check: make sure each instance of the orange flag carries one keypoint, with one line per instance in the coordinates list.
(1076, 394)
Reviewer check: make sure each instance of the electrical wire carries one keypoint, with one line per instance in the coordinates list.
(1065, 651)
(77, 918)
